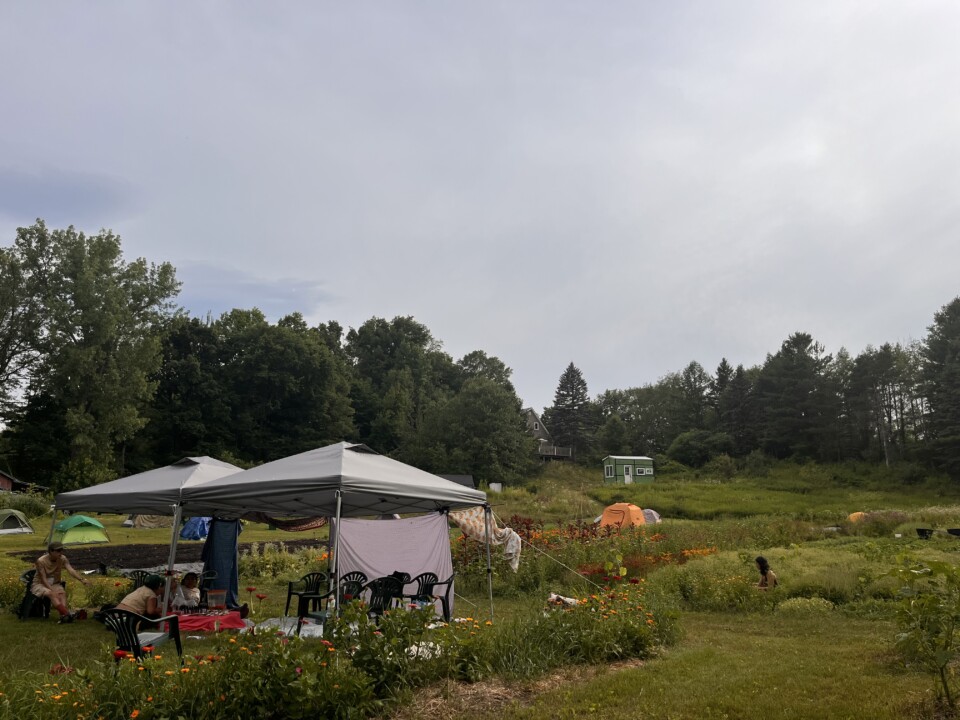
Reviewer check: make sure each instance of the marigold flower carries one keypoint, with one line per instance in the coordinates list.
(135, 714)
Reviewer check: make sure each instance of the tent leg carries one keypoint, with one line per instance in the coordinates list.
(171, 558)
(53, 524)
(487, 512)
(335, 551)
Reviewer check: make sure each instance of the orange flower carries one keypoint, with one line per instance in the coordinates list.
(135, 714)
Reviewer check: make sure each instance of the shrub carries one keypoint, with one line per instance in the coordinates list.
(273, 560)
(722, 467)
(805, 605)
(31, 504)
(929, 621)
(756, 464)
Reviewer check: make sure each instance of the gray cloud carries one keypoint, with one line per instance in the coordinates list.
(208, 289)
(626, 186)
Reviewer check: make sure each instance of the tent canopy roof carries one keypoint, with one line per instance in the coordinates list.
(154, 492)
(306, 485)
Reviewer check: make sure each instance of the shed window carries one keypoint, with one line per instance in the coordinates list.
(608, 471)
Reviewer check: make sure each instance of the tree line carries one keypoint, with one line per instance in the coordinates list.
(887, 405)
(103, 375)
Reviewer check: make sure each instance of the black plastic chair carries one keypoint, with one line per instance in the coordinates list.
(350, 590)
(310, 584)
(425, 581)
(354, 576)
(205, 582)
(32, 605)
(139, 577)
(429, 590)
(383, 594)
(925, 533)
(132, 637)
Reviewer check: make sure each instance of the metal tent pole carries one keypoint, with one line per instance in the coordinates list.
(53, 524)
(487, 513)
(171, 558)
(335, 550)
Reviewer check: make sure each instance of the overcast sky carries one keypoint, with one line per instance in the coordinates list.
(626, 186)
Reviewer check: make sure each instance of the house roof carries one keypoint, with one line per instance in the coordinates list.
(465, 480)
(628, 457)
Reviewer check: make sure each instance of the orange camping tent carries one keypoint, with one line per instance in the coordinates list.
(622, 515)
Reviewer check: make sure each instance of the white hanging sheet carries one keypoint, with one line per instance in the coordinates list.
(412, 545)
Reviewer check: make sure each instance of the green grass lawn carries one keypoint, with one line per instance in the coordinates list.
(749, 666)
(728, 665)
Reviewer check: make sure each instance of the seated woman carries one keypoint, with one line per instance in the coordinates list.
(47, 580)
(188, 594)
(145, 600)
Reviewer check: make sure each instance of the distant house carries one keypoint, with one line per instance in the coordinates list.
(10, 484)
(627, 469)
(465, 480)
(546, 449)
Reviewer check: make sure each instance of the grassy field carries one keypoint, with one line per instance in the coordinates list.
(747, 666)
(739, 656)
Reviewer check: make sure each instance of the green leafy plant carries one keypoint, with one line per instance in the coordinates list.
(928, 618)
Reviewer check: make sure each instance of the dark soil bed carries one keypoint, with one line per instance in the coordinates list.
(134, 556)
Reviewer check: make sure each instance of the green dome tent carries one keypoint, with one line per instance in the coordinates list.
(79, 530)
(13, 521)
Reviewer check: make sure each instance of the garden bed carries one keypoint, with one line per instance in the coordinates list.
(132, 556)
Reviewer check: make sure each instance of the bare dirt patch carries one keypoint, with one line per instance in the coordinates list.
(489, 697)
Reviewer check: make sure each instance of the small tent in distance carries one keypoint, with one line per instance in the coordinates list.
(80, 530)
(622, 515)
(13, 521)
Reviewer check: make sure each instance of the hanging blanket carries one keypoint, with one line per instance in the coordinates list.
(288, 524)
(472, 524)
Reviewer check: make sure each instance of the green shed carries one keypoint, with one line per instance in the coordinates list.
(627, 469)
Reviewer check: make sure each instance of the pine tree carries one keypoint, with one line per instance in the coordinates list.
(941, 372)
(569, 419)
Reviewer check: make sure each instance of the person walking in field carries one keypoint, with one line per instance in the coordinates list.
(768, 578)
(47, 580)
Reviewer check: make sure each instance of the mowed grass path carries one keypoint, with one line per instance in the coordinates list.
(752, 666)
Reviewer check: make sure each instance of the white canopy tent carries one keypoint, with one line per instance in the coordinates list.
(341, 480)
(154, 492)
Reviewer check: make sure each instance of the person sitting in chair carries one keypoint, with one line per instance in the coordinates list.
(145, 600)
(188, 594)
(47, 582)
